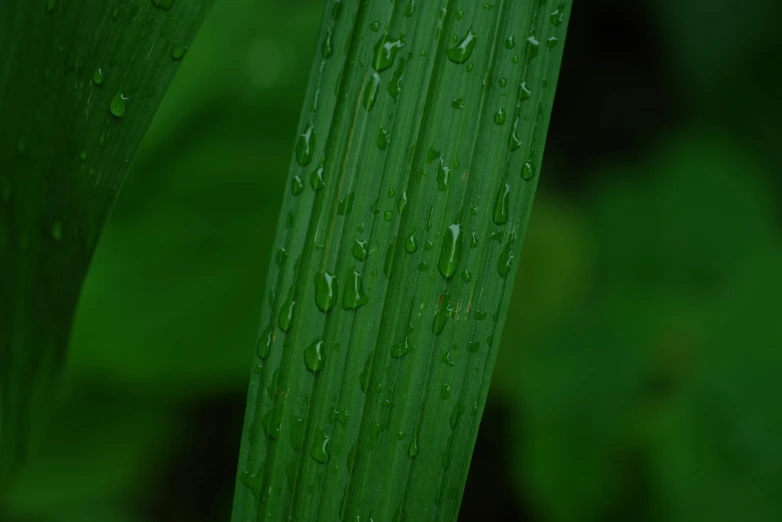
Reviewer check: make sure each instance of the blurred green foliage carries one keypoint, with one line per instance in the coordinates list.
(638, 369)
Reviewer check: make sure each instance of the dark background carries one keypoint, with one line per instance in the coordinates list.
(640, 373)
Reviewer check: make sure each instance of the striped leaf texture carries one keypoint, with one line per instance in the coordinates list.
(409, 191)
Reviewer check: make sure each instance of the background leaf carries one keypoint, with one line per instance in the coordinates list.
(80, 83)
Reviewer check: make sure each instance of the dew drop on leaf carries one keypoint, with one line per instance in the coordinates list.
(320, 446)
(316, 178)
(354, 296)
(371, 90)
(163, 4)
(501, 206)
(98, 76)
(463, 49)
(500, 116)
(451, 252)
(506, 258)
(327, 49)
(386, 50)
(305, 145)
(118, 104)
(383, 139)
(178, 51)
(314, 356)
(527, 171)
(412, 450)
(360, 250)
(297, 185)
(325, 291)
(411, 244)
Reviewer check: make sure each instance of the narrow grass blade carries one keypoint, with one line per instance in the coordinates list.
(410, 189)
(80, 81)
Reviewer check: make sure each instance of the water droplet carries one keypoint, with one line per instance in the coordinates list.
(448, 357)
(401, 203)
(51, 5)
(83, 155)
(316, 178)
(375, 208)
(401, 349)
(98, 76)
(470, 67)
(500, 116)
(501, 206)
(445, 392)
(461, 53)
(354, 296)
(325, 291)
(272, 420)
(510, 42)
(459, 14)
(506, 258)
(281, 256)
(391, 192)
(451, 251)
(163, 4)
(305, 145)
(371, 90)
(320, 446)
(383, 139)
(360, 250)
(410, 10)
(557, 15)
(285, 319)
(386, 50)
(264, 343)
(411, 245)
(388, 263)
(466, 276)
(297, 185)
(388, 215)
(515, 58)
(480, 315)
(327, 49)
(423, 266)
(444, 312)
(552, 42)
(57, 230)
(527, 171)
(533, 48)
(345, 205)
(314, 356)
(340, 416)
(375, 26)
(458, 411)
(430, 217)
(514, 142)
(118, 104)
(395, 86)
(496, 236)
(503, 82)
(178, 51)
(524, 91)
(474, 241)
(474, 347)
(413, 449)
(432, 154)
(428, 245)
(457, 103)
(443, 176)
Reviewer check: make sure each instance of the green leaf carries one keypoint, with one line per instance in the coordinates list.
(79, 84)
(428, 121)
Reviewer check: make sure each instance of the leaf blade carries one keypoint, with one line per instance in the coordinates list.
(403, 370)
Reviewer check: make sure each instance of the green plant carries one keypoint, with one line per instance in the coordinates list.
(79, 84)
(410, 190)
